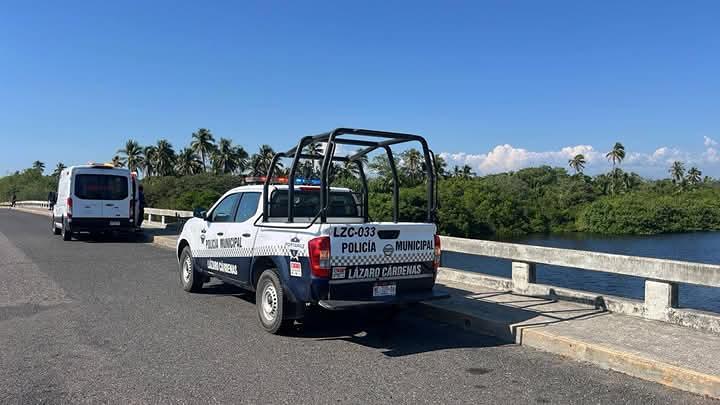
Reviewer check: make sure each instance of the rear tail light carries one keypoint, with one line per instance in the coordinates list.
(319, 249)
(69, 207)
(438, 252)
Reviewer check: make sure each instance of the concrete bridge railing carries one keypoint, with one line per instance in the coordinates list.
(661, 278)
(28, 204)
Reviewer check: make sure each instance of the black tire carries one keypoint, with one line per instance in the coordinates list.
(270, 303)
(55, 229)
(190, 279)
(65, 231)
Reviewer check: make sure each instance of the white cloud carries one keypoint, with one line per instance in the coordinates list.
(506, 157)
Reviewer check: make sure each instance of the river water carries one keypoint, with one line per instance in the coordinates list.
(703, 247)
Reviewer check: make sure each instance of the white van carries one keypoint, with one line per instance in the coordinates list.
(95, 198)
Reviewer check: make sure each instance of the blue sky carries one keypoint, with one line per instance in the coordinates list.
(495, 84)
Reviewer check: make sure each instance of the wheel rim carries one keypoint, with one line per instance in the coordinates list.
(186, 270)
(269, 304)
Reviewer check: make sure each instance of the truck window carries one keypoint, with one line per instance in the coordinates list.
(224, 211)
(307, 204)
(247, 207)
(101, 187)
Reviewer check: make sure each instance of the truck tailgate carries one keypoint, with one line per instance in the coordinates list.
(381, 261)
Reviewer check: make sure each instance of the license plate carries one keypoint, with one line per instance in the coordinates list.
(383, 290)
(114, 223)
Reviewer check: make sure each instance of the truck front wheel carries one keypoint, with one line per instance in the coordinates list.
(190, 278)
(270, 302)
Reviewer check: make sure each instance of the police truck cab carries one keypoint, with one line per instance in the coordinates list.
(304, 243)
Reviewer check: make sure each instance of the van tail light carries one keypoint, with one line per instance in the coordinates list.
(438, 252)
(319, 249)
(69, 207)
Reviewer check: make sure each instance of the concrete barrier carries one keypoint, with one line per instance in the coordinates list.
(661, 278)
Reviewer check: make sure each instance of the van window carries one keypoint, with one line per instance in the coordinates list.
(307, 204)
(101, 187)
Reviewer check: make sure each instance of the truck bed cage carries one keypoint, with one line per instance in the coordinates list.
(335, 137)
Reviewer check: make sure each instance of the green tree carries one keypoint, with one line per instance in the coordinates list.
(134, 156)
(677, 172)
(440, 167)
(58, 169)
(261, 160)
(188, 163)
(617, 154)
(39, 166)
(228, 158)
(412, 165)
(149, 162)
(694, 176)
(203, 143)
(117, 161)
(577, 163)
(164, 158)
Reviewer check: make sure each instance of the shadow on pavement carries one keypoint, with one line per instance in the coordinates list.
(396, 333)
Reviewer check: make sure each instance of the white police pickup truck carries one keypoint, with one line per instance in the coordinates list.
(300, 244)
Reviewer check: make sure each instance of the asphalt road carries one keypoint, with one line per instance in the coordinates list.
(107, 321)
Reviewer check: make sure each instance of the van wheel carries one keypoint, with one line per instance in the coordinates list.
(54, 228)
(270, 302)
(65, 231)
(190, 278)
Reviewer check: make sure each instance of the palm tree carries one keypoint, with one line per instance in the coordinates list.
(187, 163)
(578, 163)
(117, 161)
(467, 172)
(261, 161)
(203, 144)
(148, 163)
(694, 176)
(617, 154)
(313, 149)
(58, 169)
(39, 166)
(440, 167)
(412, 164)
(165, 158)
(677, 172)
(133, 155)
(228, 158)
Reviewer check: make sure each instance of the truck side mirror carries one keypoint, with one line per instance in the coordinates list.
(200, 213)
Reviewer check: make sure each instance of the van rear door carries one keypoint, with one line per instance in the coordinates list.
(117, 201)
(100, 194)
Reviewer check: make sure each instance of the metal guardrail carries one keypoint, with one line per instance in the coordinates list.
(661, 278)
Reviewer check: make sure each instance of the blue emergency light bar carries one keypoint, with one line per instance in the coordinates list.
(306, 182)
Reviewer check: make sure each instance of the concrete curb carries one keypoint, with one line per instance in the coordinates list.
(596, 354)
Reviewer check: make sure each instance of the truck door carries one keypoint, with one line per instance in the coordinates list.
(217, 251)
(244, 228)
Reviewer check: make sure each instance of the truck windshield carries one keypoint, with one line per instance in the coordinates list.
(307, 204)
(101, 187)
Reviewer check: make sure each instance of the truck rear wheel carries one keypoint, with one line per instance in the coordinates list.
(190, 278)
(270, 302)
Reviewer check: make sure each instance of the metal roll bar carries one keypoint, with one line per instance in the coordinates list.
(333, 138)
